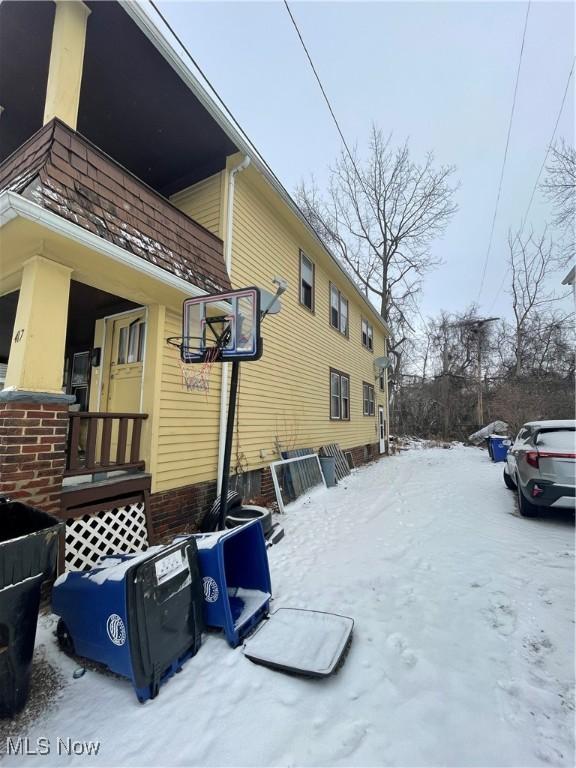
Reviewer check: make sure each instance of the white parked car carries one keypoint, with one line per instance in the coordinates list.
(541, 466)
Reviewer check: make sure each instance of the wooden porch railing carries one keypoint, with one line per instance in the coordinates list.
(100, 442)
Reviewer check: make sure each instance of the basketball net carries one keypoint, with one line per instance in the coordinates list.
(196, 377)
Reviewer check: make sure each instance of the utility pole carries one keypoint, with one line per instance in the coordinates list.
(441, 338)
(480, 399)
(445, 384)
(476, 325)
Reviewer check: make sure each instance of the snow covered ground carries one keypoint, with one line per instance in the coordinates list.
(463, 651)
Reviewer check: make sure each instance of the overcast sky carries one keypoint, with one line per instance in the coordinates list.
(440, 73)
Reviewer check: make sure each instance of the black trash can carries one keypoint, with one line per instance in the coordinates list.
(28, 554)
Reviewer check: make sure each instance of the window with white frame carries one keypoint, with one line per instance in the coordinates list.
(306, 282)
(339, 395)
(131, 343)
(338, 311)
(367, 399)
(367, 335)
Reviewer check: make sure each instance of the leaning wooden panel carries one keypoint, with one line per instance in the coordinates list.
(334, 450)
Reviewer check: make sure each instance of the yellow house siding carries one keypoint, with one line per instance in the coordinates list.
(284, 397)
(203, 202)
(188, 422)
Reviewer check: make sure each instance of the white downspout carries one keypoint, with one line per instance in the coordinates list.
(225, 366)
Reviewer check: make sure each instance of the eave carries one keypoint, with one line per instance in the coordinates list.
(137, 13)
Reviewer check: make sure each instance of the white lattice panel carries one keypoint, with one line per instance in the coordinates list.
(109, 532)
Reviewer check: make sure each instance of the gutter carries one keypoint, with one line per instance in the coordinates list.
(13, 205)
(570, 278)
(137, 13)
(226, 366)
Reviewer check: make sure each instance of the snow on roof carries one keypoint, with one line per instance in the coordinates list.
(553, 423)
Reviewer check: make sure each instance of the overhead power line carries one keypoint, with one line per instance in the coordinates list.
(535, 187)
(549, 147)
(252, 148)
(197, 66)
(512, 110)
(338, 128)
(326, 99)
(220, 100)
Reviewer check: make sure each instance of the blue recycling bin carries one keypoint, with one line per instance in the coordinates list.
(235, 578)
(498, 447)
(140, 615)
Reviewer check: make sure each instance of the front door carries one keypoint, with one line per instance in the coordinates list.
(123, 387)
(381, 429)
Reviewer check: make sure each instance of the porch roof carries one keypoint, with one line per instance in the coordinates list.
(63, 172)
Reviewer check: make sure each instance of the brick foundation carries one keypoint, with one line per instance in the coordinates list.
(363, 454)
(33, 450)
(181, 509)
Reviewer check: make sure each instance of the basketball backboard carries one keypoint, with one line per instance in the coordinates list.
(223, 326)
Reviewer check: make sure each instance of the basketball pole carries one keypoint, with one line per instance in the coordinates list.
(282, 285)
(228, 443)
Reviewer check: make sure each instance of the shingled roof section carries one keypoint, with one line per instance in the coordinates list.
(63, 172)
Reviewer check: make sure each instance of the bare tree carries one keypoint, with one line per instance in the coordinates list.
(550, 344)
(531, 259)
(559, 187)
(380, 217)
(441, 398)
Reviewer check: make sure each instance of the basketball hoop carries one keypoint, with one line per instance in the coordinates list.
(218, 328)
(195, 377)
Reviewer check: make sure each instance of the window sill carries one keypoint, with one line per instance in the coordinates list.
(307, 308)
(339, 332)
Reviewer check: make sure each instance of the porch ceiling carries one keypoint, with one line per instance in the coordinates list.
(86, 304)
(132, 104)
